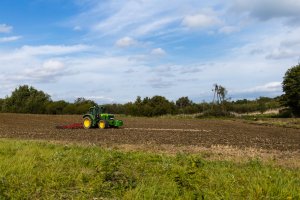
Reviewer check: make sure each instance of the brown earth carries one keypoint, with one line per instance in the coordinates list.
(199, 133)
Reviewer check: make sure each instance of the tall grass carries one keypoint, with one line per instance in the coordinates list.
(40, 170)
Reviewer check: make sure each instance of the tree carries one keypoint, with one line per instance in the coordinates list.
(138, 100)
(25, 99)
(81, 105)
(56, 107)
(220, 107)
(186, 106)
(291, 89)
(82, 100)
(159, 106)
(1, 103)
(183, 102)
(220, 92)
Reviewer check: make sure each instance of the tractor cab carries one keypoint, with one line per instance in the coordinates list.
(96, 110)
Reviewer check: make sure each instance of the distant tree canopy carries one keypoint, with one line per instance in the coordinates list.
(183, 102)
(149, 107)
(82, 105)
(56, 107)
(1, 104)
(26, 99)
(291, 89)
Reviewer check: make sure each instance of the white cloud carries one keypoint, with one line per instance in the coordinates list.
(158, 52)
(49, 71)
(282, 54)
(46, 72)
(126, 42)
(144, 79)
(158, 83)
(200, 21)
(52, 65)
(139, 18)
(283, 44)
(9, 39)
(229, 29)
(44, 50)
(4, 28)
(251, 61)
(268, 9)
(77, 28)
(154, 25)
(53, 49)
(124, 16)
(268, 87)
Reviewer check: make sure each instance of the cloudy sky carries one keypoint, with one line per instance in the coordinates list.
(113, 51)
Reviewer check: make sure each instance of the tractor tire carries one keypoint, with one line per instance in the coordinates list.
(102, 124)
(87, 123)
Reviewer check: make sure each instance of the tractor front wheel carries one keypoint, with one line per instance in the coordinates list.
(87, 122)
(102, 124)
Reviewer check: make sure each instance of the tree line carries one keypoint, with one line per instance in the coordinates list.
(27, 99)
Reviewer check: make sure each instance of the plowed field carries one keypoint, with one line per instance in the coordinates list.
(153, 131)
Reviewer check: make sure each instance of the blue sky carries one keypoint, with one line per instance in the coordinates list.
(112, 51)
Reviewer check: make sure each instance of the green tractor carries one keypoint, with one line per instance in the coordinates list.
(97, 118)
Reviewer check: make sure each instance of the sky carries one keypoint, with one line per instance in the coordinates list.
(112, 51)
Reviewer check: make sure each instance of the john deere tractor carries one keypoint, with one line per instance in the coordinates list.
(97, 118)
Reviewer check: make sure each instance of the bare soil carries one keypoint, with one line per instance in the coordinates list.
(204, 133)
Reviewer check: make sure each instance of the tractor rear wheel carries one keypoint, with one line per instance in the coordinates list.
(87, 122)
(102, 124)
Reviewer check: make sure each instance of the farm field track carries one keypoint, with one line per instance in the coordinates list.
(153, 131)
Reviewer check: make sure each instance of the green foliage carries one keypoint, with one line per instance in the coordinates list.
(25, 99)
(39, 170)
(245, 106)
(291, 88)
(215, 111)
(186, 106)
(56, 107)
(150, 107)
(114, 108)
(283, 119)
(82, 105)
(183, 102)
(285, 113)
(1, 104)
(70, 108)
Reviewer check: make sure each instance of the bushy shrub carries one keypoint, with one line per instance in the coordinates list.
(291, 88)
(215, 111)
(285, 113)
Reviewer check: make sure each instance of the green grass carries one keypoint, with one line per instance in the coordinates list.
(273, 120)
(41, 170)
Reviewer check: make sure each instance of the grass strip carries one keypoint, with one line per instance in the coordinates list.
(43, 170)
